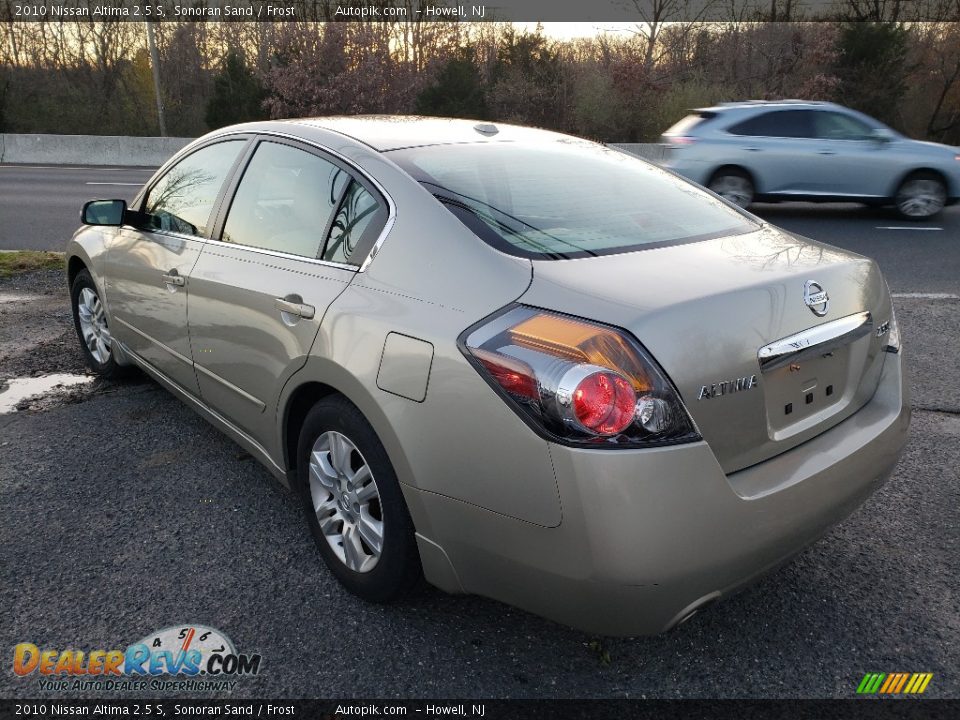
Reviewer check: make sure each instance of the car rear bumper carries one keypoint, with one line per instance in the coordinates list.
(648, 537)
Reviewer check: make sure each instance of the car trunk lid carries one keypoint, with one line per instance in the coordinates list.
(770, 339)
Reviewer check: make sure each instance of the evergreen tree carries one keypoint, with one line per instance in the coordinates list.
(872, 68)
(457, 90)
(237, 94)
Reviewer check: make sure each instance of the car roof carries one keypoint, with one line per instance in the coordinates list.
(767, 104)
(392, 132)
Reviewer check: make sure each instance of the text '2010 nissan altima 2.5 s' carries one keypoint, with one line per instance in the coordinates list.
(518, 363)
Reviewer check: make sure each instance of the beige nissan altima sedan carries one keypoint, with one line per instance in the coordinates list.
(516, 363)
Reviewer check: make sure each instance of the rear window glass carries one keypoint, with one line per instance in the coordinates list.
(566, 199)
(779, 123)
(685, 125)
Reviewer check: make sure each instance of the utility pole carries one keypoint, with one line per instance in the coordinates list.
(155, 64)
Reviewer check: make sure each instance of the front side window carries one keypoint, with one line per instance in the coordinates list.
(295, 202)
(776, 123)
(182, 200)
(839, 126)
(566, 199)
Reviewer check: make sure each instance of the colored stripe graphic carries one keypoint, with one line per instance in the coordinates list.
(894, 683)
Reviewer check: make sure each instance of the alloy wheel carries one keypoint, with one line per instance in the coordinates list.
(921, 197)
(735, 188)
(346, 500)
(93, 325)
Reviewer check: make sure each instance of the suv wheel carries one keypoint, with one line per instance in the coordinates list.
(90, 320)
(922, 195)
(353, 503)
(733, 185)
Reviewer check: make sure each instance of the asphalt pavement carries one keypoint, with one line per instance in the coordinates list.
(121, 513)
(40, 206)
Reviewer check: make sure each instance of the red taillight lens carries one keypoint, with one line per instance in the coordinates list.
(605, 403)
(516, 377)
(578, 381)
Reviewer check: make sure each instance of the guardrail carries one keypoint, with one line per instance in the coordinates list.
(121, 151)
(114, 150)
(654, 152)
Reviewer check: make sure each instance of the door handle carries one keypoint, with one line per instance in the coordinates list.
(826, 152)
(173, 278)
(752, 149)
(294, 308)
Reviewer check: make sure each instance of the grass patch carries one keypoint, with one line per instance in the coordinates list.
(24, 261)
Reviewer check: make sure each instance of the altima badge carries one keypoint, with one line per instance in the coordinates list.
(726, 387)
(816, 298)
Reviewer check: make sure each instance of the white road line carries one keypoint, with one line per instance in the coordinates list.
(927, 296)
(897, 227)
(62, 167)
(113, 183)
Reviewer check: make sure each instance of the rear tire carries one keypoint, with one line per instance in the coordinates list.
(353, 503)
(90, 321)
(734, 186)
(921, 196)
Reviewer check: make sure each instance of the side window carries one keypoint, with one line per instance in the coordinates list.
(182, 199)
(358, 221)
(285, 201)
(777, 123)
(838, 126)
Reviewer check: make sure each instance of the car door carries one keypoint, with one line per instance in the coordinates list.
(299, 225)
(854, 161)
(148, 266)
(777, 148)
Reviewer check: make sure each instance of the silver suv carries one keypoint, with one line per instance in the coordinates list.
(811, 151)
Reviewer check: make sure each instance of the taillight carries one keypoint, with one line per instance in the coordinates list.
(681, 140)
(577, 381)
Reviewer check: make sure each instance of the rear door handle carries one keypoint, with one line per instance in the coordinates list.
(173, 278)
(752, 149)
(294, 308)
(826, 152)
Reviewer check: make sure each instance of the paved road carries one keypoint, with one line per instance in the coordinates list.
(39, 208)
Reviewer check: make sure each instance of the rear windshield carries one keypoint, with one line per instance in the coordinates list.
(566, 199)
(686, 124)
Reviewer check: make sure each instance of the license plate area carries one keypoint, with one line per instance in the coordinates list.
(807, 392)
(812, 376)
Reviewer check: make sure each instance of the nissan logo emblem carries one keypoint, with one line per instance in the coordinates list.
(816, 298)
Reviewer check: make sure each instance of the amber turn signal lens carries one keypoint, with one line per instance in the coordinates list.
(581, 342)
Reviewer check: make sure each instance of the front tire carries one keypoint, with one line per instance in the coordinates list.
(354, 506)
(734, 186)
(921, 196)
(90, 321)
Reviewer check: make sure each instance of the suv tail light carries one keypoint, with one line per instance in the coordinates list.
(576, 381)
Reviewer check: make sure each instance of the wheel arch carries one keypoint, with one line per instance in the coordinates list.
(75, 264)
(952, 189)
(303, 397)
(321, 378)
(739, 168)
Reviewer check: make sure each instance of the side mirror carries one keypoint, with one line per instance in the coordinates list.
(882, 135)
(104, 212)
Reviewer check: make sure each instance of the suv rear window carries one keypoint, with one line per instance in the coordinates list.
(777, 123)
(566, 199)
(688, 123)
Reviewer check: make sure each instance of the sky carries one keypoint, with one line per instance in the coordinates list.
(570, 30)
